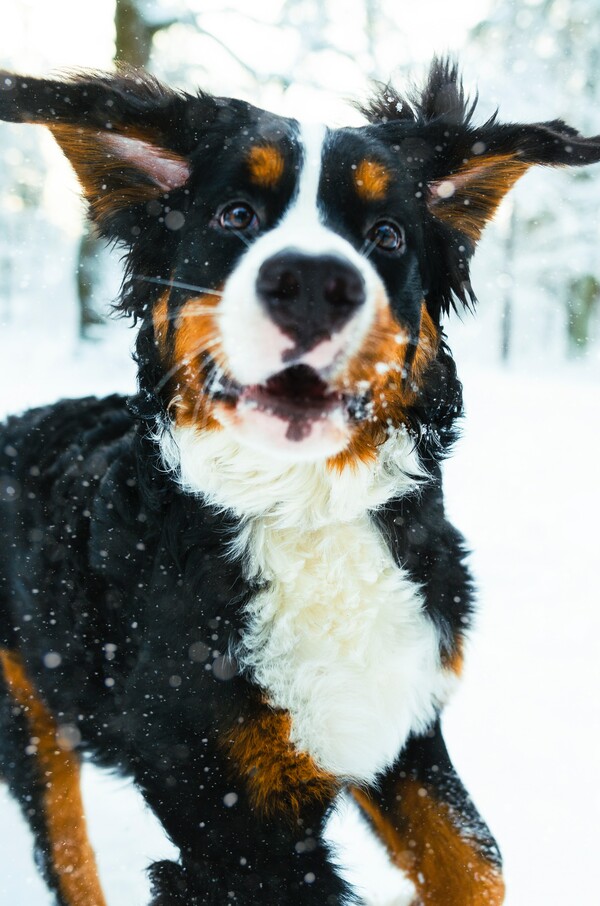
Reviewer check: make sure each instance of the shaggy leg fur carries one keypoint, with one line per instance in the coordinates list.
(248, 840)
(43, 775)
(251, 842)
(432, 830)
(247, 861)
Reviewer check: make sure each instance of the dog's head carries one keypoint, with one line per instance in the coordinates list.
(290, 279)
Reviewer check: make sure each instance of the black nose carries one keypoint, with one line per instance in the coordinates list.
(309, 297)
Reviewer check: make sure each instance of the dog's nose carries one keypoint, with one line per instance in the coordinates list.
(309, 297)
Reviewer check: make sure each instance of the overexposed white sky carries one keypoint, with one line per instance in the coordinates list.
(71, 33)
(38, 37)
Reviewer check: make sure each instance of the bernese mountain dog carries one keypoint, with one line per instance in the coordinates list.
(239, 587)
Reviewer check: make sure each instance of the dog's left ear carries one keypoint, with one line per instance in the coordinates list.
(476, 167)
(462, 171)
(467, 170)
(127, 136)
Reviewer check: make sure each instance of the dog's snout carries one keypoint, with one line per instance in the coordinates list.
(309, 297)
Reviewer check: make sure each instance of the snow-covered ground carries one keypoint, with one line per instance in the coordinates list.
(523, 730)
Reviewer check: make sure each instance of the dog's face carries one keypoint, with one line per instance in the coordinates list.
(291, 278)
(307, 242)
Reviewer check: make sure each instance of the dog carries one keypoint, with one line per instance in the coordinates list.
(239, 587)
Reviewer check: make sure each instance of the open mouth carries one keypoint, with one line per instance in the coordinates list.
(295, 392)
(296, 395)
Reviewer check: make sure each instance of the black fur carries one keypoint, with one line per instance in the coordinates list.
(129, 581)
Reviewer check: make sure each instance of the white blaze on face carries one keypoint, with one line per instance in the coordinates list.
(252, 342)
(255, 347)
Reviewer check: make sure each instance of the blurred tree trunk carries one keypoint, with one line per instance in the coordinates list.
(134, 33)
(133, 45)
(581, 310)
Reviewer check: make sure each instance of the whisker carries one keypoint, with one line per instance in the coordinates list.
(167, 377)
(204, 391)
(200, 311)
(368, 247)
(212, 377)
(177, 284)
(207, 343)
(385, 335)
(242, 237)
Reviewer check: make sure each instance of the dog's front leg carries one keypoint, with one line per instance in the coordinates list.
(246, 811)
(43, 772)
(424, 816)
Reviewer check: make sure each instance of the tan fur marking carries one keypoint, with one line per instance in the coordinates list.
(456, 661)
(371, 180)
(266, 165)
(468, 198)
(423, 839)
(196, 334)
(382, 363)
(72, 855)
(278, 777)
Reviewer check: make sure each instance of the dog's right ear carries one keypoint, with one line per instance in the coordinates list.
(127, 136)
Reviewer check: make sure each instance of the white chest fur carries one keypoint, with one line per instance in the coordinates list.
(339, 639)
(338, 636)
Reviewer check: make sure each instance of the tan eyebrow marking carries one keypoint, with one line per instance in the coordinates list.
(371, 180)
(266, 165)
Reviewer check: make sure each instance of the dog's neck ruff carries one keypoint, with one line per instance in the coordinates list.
(336, 634)
(229, 475)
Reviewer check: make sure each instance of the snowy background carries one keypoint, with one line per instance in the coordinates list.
(523, 483)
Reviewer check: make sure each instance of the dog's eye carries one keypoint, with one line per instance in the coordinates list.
(387, 236)
(238, 216)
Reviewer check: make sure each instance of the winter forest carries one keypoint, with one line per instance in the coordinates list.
(522, 485)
